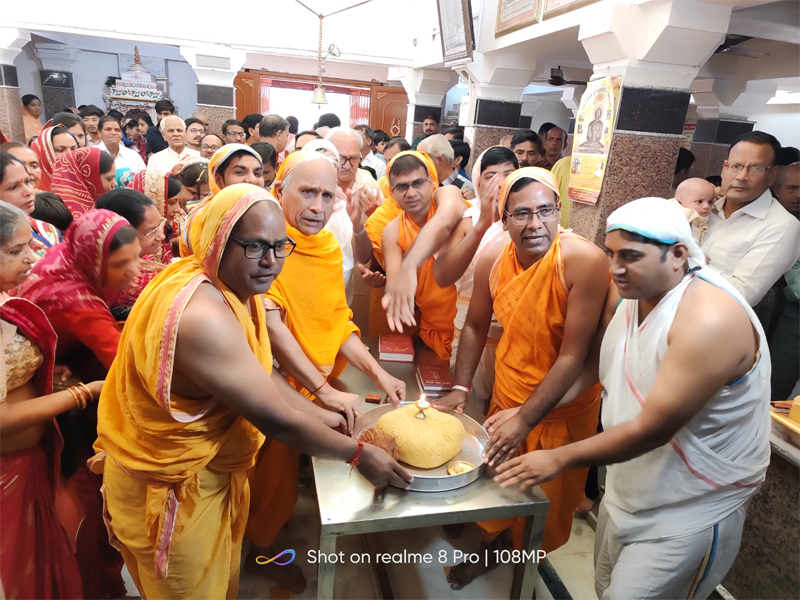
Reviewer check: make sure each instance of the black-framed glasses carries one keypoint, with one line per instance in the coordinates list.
(402, 188)
(354, 161)
(523, 217)
(257, 250)
(206, 147)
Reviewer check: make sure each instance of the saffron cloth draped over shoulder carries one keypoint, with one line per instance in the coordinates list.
(389, 210)
(310, 290)
(531, 305)
(153, 434)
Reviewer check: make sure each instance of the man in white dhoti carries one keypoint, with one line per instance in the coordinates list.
(685, 366)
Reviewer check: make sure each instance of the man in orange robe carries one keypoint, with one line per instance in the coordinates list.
(409, 242)
(547, 288)
(313, 339)
(185, 409)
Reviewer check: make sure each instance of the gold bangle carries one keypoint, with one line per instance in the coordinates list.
(88, 391)
(74, 396)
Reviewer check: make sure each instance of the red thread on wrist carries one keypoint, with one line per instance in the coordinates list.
(354, 461)
(321, 385)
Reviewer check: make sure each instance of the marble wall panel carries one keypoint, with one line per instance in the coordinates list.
(216, 116)
(11, 114)
(638, 166)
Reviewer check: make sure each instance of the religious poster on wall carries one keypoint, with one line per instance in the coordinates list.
(594, 126)
(516, 14)
(553, 8)
(455, 30)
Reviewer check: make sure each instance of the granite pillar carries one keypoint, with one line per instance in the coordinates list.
(494, 119)
(216, 102)
(11, 104)
(58, 92)
(711, 141)
(642, 157)
(768, 559)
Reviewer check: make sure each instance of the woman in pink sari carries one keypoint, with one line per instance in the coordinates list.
(80, 177)
(36, 559)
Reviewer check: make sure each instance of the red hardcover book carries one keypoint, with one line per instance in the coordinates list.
(435, 378)
(394, 347)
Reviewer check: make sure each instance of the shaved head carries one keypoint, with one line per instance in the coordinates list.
(307, 196)
(697, 194)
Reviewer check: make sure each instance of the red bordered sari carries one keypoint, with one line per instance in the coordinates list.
(45, 235)
(43, 147)
(155, 185)
(76, 179)
(69, 285)
(36, 560)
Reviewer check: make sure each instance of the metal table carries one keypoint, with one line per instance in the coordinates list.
(350, 505)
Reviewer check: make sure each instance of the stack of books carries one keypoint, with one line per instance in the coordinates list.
(434, 380)
(396, 348)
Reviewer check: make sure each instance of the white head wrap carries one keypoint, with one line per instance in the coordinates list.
(659, 220)
(317, 145)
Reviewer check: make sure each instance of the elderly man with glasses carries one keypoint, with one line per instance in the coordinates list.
(174, 131)
(752, 240)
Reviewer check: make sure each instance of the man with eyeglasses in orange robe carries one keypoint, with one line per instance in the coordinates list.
(547, 288)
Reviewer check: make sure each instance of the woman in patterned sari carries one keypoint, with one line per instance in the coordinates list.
(51, 143)
(80, 177)
(36, 560)
(166, 191)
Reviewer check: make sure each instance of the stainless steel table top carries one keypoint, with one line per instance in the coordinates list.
(349, 504)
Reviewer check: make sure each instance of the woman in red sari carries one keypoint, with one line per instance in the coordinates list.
(36, 560)
(99, 256)
(72, 285)
(141, 212)
(51, 143)
(80, 177)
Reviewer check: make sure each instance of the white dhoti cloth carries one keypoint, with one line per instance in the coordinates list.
(668, 499)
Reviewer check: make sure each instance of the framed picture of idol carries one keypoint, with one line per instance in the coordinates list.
(553, 8)
(455, 28)
(516, 14)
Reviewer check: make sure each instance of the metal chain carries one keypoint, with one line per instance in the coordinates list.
(319, 53)
(336, 12)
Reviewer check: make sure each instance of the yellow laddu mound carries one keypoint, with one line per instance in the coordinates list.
(423, 443)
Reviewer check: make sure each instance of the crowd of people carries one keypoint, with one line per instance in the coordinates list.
(176, 300)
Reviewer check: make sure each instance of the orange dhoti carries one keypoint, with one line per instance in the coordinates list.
(311, 299)
(532, 306)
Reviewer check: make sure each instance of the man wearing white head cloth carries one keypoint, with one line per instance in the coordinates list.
(685, 366)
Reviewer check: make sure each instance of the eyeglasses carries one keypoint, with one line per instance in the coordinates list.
(206, 148)
(155, 230)
(258, 250)
(523, 217)
(402, 188)
(751, 170)
(195, 130)
(239, 134)
(355, 161)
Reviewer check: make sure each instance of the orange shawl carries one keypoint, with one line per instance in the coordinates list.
(532, 306)
(310, 295)
(389, 210)
(437, 305)
(151, 432)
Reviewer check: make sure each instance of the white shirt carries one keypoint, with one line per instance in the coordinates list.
(754, 246)
(165, 160)
(375, 163)
(126, 158)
